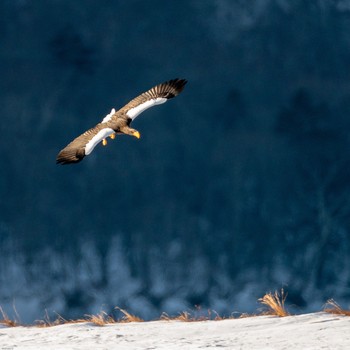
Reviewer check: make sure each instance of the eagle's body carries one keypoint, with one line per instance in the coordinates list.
(118, 122)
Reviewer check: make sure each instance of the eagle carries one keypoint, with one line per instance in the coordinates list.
(118, 122)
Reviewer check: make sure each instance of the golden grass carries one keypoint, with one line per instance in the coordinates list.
(128, 317)
(99, 320)
(6, 320)
(275, 304)
(103, 318)
(182, 316)
(46, 322)
(334, 308)
(220, 318)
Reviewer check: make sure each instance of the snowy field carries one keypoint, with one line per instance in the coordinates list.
(309, 331)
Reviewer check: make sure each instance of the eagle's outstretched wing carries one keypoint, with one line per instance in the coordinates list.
(83, 145)
(157, 95)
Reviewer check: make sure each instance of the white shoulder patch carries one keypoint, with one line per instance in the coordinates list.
(108, 117)
(102, 134)
(134, 112)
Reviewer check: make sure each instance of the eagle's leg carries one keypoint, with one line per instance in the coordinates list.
(104, 142)
(112, 136)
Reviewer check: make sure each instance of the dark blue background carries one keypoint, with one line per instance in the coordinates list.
(237, 187)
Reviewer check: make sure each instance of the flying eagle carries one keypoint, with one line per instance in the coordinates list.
(118, 122)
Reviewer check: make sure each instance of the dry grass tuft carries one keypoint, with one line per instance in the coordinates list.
(46, 322)
(275, 304)
(218, 317)
(99, 320)
(6, 320)
(335, 308)
(128, 317)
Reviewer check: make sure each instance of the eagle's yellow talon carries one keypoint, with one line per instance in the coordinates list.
(112, 136)
(104, 142)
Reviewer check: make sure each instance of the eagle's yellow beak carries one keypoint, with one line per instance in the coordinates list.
(136, 134)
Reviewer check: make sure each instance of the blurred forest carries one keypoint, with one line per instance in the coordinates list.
(238, 186)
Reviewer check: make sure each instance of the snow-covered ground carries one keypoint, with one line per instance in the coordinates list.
(308, 331)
